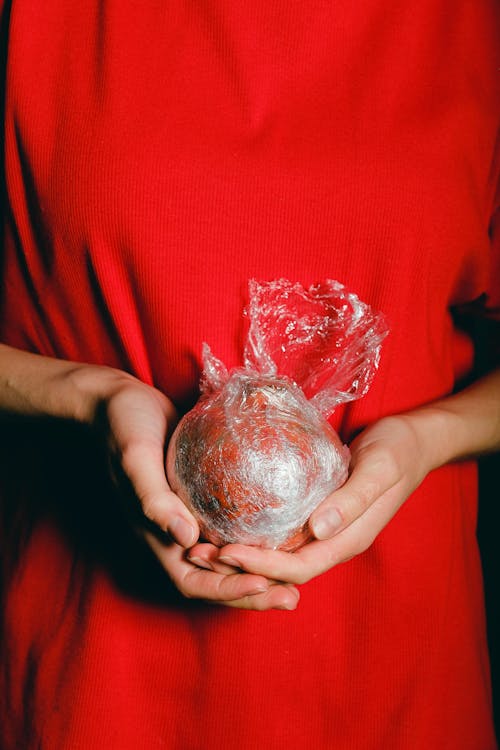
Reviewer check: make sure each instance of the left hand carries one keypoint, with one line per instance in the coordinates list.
(389, 460)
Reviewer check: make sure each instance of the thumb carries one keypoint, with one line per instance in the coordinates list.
(374, 472)
(143, 463)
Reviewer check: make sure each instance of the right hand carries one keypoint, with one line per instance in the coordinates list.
(135, 421)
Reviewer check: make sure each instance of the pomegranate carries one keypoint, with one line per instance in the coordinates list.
(253, 460)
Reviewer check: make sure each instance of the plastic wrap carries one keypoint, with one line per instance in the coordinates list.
(256, 455)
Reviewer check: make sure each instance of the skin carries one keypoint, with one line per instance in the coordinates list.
(389, 460)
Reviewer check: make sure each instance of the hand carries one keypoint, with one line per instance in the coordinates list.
(136, 421)
(388, 462)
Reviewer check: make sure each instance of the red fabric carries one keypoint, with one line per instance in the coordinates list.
(157, 156)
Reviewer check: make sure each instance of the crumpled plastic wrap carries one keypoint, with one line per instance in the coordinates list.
(256, 455)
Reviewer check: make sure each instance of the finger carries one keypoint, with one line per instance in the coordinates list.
(196, 583)
(317, 557)
(209, 585)
(289, 567)
(143, 464)
(374, 473)
(278, 597)
(206, 556)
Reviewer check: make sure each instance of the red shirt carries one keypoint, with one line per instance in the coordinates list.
(158, 155)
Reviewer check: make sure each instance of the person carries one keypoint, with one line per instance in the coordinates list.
(157, 156)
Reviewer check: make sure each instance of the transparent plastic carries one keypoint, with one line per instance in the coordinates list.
(256, 455)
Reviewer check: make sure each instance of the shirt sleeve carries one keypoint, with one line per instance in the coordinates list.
(480, 318)
(492, 296)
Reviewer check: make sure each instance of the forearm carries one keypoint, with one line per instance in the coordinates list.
(34, 385)
(466, 424)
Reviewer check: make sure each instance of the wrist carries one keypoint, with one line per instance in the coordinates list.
(439, 433)
(464, 425)
(33, 385)
(82, 389)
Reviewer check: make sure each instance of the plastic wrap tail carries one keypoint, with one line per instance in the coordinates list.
(324, 338)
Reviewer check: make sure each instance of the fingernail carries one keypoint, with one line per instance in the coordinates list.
(325, 525)
(182, 532)
(229, 561)
(200, 563)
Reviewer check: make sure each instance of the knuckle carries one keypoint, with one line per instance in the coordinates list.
(389, 464)
(362, 544)
(335, 557)
(132, 454)
(385, 464)
(150, 507)
(366, 494)
(182, 586)
(302, 577)
(129, 458)
(219, 588)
